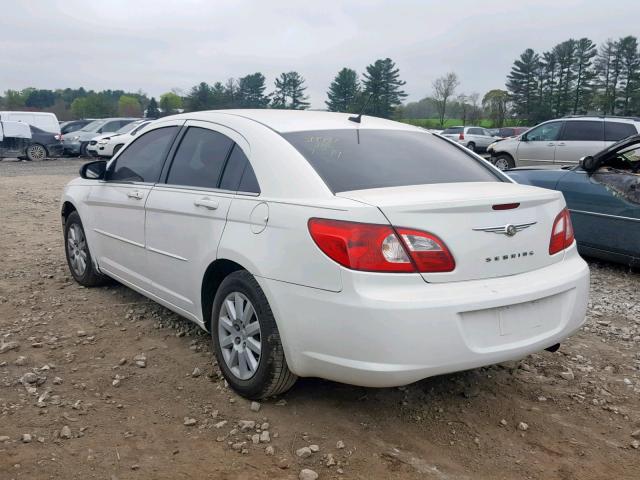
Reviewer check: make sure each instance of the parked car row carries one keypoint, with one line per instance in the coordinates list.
(562, 141)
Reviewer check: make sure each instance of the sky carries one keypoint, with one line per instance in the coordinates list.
(159, 45)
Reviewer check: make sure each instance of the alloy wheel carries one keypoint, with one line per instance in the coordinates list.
(502, 164)
(77, 249)
(239, 335)
(36, 152)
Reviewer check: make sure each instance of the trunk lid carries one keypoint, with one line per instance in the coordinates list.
(462, 215)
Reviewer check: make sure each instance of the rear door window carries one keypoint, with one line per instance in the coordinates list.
(142, 160)
(583, 130)
(614, 131)
(200, 158)
(355, 159)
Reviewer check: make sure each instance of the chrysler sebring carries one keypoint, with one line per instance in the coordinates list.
(354, 249)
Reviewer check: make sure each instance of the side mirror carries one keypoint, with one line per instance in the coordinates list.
(94, 170)
(588, 163)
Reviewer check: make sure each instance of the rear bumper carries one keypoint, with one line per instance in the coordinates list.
(72, 147)
(386, 330)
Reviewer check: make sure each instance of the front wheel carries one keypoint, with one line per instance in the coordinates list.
(504, 162)
(471, 146)
(246, 340)
(36, 152)
(78, 255)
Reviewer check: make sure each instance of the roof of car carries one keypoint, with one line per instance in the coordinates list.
(283, 121)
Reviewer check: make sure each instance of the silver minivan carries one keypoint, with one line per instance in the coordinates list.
(562, 142)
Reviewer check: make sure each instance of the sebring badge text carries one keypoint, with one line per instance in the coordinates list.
(511, 256)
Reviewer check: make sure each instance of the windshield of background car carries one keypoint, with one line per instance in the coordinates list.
(93, 126)
(358, 159)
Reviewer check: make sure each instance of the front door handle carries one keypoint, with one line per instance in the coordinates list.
(207, 203)
(561, 144)
(551, 144)
(135, 194)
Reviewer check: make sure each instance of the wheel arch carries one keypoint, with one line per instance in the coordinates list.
(66, 210)
(213, 276)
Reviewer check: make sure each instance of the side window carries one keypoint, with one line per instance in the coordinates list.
(142, 160)
(238, 174)
(583, 130)
(475, 131)
(110, 127)
(234, 169)
(200, 158)
(545, 133)
(249, 182)
(614, 131)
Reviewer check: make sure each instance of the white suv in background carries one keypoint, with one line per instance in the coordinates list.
(474, 138)
(563, 141)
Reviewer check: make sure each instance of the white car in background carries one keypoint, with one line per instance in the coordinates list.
(357, 249)
(107, 145)
(475, 139)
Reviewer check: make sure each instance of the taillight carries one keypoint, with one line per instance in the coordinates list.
(429, 253)
(378, 248)
(562, 233)
(461, 136)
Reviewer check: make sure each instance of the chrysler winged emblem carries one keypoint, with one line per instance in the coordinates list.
(509, 229)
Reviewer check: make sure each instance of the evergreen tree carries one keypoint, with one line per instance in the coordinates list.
(200, 98)
(382, 88)
(565, 54)
(584, 75)
(289, 92)
(522, 84)
(152, 109)
(605, 65)
(344, 92)
(251, 91)
(630, 70)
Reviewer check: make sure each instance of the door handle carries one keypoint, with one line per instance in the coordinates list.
(551, 144)
(135, 194)
(207, 203)
(561, 144)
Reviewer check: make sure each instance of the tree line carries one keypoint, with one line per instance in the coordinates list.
(576, 77)
(379, 92)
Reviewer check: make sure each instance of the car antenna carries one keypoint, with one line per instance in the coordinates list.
(358, 118)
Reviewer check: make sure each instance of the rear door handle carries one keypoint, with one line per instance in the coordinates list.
(551, 144)
(135, 194)
(561, 144)
(207, 203)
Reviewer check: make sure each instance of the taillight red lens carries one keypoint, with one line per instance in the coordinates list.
(429, 253)
(461, 136)
(562, 233)
(377, 248)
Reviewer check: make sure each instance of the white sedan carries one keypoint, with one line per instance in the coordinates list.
(359, 250)
(107, 145)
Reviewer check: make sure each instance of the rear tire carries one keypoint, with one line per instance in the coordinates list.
(471, 146)
(236, 338)
(504, 162)
(36, 152)
(78, 254)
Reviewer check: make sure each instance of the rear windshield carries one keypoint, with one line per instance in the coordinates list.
(361, 159)
(453, 130)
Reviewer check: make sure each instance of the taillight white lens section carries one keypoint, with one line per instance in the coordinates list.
(429, 253)
(378, 248)
(562, 233)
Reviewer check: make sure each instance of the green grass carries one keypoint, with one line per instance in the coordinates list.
(449, 122)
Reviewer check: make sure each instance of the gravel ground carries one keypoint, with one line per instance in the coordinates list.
(103, 383)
